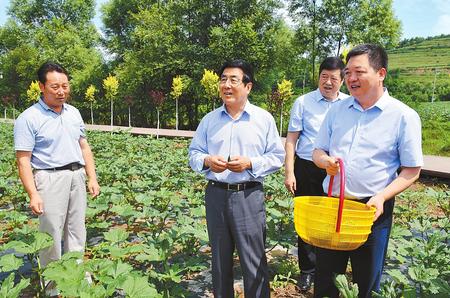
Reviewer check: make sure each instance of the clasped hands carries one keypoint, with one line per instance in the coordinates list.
(218, 164)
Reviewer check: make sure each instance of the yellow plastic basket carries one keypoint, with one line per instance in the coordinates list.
(333, 223)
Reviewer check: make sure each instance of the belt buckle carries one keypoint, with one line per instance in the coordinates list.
(235, 187)
(73, 166)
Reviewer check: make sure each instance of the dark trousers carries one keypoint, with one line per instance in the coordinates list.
(367, 261)
(309, 180)
(237, 219)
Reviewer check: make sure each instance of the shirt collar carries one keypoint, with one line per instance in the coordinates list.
(317, 95)
(381, 103)
(248, 109)
(46, 107)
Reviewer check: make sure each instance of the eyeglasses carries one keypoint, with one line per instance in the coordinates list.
(332, 79)
(234, 82)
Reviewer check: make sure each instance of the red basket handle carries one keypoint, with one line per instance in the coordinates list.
(341, 193)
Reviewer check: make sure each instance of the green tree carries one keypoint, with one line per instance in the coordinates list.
(177, 90)
(157, 40)
(42, 30)
(111, 86)
(210, 83)
(329, 24)
(90, 97)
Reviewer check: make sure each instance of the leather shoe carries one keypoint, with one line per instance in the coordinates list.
(305, 281)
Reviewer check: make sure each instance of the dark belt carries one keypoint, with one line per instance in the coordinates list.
(236, 186)
(71, 166)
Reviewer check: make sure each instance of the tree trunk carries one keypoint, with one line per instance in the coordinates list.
(129, 116)
(281, 120)
(112, 115)
(314, 43)
(157, 124)
(4, 113)
(92, 115)
(176, 114)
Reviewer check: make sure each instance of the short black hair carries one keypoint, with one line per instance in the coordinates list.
(378, 57)
(332, 63)
(50, 66)
(243, 65)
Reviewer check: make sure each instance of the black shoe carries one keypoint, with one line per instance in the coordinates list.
(305, 281)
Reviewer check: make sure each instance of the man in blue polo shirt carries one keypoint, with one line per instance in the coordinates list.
(235, 147)
(302, 177)
(375, 135)
(54, 158)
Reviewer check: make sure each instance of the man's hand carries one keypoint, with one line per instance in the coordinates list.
(216, 163)
(36, 204)
(331, 165)
(290, 182)
(377, 201)
(93, 187)
(239, 164)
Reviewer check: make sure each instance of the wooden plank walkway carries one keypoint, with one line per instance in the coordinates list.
(434, 166)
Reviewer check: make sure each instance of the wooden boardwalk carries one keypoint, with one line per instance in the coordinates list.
(434, 166)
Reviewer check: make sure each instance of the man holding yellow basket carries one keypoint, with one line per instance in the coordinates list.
(375, 135)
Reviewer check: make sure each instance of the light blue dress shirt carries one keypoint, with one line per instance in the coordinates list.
(307, 114)
(52, 138)
(373, 143)
(253, 134)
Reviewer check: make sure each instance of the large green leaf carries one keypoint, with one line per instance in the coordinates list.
(137, 287)
(119, 268)
(9, 290)
(31, 244)
(10, 263)
(116, 235)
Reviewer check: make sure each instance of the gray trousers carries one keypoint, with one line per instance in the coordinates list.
(64, 196)
(237, 219)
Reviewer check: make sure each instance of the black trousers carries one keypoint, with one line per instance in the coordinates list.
(367, 261)
(309, 180)
(237, 220)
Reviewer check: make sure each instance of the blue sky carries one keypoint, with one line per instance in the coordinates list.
(419, 17)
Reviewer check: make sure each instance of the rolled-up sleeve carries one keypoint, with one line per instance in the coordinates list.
(198, 149)
(272, 158)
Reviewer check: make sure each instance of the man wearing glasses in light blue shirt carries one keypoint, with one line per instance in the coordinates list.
(235, 147)
(302, 176)
(375, 135)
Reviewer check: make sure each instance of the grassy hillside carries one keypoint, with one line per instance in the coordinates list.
(419, 60)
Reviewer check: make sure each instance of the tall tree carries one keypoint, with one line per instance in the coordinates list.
(177, 90)
(41, 30)
(330, 24)
(90, 97)
(182, 37)
(111, 86)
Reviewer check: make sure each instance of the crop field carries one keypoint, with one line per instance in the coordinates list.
(423, 61)
(435, 119)
(147, 230)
